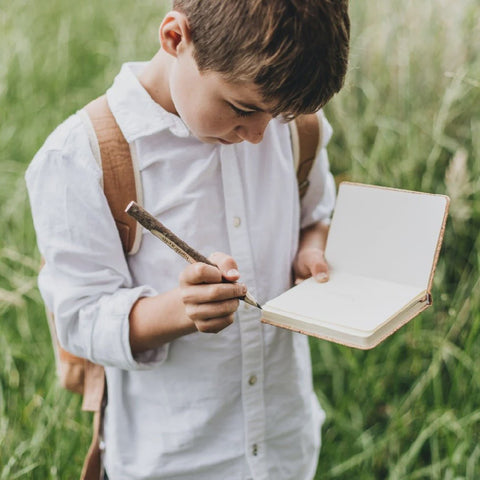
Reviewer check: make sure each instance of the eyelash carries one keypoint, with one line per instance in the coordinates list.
(241, 113)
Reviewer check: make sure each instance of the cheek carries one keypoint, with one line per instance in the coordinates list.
(181, 99)
(210, 122)
(201, 112)
(202, 119)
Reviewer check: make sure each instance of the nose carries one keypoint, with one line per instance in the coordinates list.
(253, 128)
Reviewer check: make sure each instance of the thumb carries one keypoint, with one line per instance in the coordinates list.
(226, 264)
(318, 268)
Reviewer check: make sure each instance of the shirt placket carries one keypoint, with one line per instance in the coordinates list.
(249, 323)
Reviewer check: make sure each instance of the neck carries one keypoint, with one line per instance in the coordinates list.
(155, 79)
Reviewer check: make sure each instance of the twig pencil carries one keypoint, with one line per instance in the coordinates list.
(178, 245)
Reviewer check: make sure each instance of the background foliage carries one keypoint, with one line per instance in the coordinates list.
(408, 117)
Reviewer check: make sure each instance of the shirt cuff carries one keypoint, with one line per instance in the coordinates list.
(110, 342)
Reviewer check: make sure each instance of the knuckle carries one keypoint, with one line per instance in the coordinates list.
(213, 290)
(202, 327)
(194, 273)
(240, 290)
(189, 295)
(233, 306)
(192, 312)
(198, 269)
(224, 291)
(208, 273)
(191, 274)
(185, 295)
(226, 307)
(182, 278)
(223, 260)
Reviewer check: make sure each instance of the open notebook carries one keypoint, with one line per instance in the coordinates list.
(382, 250)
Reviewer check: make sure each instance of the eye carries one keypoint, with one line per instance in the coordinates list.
(239, 112)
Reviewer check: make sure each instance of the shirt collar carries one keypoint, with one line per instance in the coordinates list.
(136, 113)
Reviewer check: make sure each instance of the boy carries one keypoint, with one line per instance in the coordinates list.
(205, 117)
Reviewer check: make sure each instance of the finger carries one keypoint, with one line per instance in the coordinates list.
(319, 270)
(320, 277)
(213, 292)
(209, 311)
(226, 264)
(214, 325)
(198, 273)
(311, 263)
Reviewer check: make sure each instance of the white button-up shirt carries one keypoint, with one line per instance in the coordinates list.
(236, 405)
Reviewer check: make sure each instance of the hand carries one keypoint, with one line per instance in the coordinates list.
(310, 262)
(209, 302)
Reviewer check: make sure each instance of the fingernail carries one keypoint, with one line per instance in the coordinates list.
(321, 277)
(233, 273)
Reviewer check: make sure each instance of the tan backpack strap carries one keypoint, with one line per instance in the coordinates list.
(94, 387)
(120, 178)
(92, 465)
(306, 133)
(121, 185)
(93, 401)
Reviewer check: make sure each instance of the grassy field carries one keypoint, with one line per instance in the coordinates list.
(408, 117)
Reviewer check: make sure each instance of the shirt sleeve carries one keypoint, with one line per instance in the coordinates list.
(85, 282)
(317, 204)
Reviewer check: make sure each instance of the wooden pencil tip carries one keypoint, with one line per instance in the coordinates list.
(250, 300)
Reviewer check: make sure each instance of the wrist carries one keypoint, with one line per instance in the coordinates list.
(157, 320)
(314, 236)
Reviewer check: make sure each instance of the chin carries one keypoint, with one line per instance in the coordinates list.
(212, 140)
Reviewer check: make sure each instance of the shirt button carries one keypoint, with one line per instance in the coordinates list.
(254, 449)
(252, 380)
(236, 221)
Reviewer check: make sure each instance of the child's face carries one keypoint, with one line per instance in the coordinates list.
(216, 111)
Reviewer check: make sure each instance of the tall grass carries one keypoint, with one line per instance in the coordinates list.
(407, 117)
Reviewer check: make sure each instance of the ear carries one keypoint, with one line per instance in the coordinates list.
(174, 33)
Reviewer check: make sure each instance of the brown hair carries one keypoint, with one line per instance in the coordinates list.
(295, 51)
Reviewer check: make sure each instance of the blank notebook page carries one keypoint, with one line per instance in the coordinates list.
(385, 233)
(348, 302)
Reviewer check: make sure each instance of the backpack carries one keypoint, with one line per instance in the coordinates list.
(121, 184)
